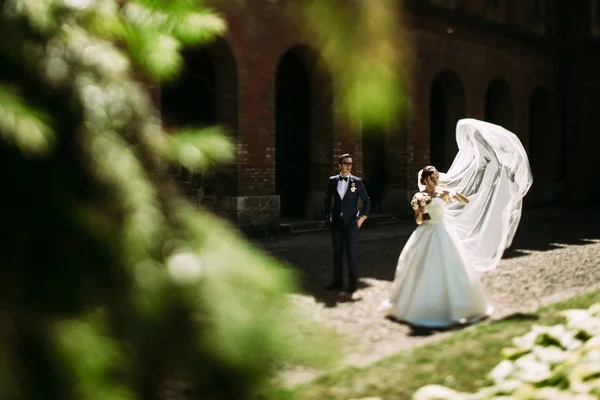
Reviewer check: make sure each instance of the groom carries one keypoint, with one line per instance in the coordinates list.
(345, 219)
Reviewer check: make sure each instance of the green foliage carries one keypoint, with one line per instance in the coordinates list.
(364, 45)
(156, 30)
(549, 362)
(111, 287)
(23, 126)
(461, 362)
(201, 148)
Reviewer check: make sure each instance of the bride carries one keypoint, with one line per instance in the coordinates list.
(466, 218)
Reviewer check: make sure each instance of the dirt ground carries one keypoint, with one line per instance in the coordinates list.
(555, 255)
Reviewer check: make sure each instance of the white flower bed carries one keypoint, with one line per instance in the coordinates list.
(557, 362)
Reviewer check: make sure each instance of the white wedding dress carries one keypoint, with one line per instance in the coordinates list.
(436, 283)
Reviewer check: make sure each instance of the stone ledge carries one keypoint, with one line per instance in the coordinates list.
(252, 213)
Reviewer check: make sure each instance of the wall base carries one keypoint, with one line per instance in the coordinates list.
(252, 213)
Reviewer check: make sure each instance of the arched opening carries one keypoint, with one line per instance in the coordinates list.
(292, 126)
(303, 133)
(539, 131)
(375, 172)
(544, 149)
(191, 101)
(499, 104)
(447, 104)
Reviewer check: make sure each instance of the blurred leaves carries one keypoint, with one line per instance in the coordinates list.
(157, 53)
(23, 126)
(156, 30)
(363, 43)
(113, 285)
(201, 148)
(39, 13)
(91, 372)
(197, 28)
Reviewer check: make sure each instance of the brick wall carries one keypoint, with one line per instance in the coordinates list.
(262, 31)
(478, 59)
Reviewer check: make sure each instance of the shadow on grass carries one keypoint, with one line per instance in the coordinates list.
(520, 317)
(424, 331)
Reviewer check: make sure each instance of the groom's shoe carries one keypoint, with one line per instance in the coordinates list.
(334, 286)
(353, 294)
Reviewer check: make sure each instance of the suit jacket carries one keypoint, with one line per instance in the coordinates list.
(346, 209)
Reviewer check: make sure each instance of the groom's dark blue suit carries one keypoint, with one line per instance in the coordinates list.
(343, 223)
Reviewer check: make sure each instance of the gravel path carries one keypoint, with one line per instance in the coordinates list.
(553, 257)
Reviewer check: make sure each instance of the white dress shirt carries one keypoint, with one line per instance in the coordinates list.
(343, 186)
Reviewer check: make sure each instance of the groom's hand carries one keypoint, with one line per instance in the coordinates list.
(361, 220)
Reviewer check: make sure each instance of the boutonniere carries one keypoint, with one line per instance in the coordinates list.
(352, 186)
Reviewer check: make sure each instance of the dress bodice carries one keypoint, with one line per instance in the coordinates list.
(435, 210)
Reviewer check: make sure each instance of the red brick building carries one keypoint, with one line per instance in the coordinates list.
(532, 66)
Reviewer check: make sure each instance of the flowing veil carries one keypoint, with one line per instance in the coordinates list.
(492, 170)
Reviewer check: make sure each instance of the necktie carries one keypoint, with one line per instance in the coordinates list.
(343, 178)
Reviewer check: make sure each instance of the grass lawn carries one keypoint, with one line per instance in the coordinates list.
(460, 361)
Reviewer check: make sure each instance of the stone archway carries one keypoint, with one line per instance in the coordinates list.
(545, 144)
(303, 132)
(500, 105)
(375, 171)
(447, 105)
(204, 94)
(539, 108)
(189, 101)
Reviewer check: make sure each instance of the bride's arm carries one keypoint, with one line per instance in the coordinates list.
(419, 215)
(460, 198)
(455, 196)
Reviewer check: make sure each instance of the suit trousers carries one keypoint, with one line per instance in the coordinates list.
(344, 237)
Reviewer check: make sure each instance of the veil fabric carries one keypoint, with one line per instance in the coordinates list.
(492, 170)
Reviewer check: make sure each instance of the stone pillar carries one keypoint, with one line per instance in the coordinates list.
(253, 206)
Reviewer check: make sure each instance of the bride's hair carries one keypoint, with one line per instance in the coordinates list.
(427, 172)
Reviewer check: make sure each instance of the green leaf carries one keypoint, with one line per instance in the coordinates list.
(156, 53)
(198, 28)
(27, 128)
(201, 147)
(94, 367)
(362, 44)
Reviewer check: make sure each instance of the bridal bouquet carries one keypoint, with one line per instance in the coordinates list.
(420, 200)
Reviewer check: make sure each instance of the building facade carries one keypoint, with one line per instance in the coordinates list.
(531, 66)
